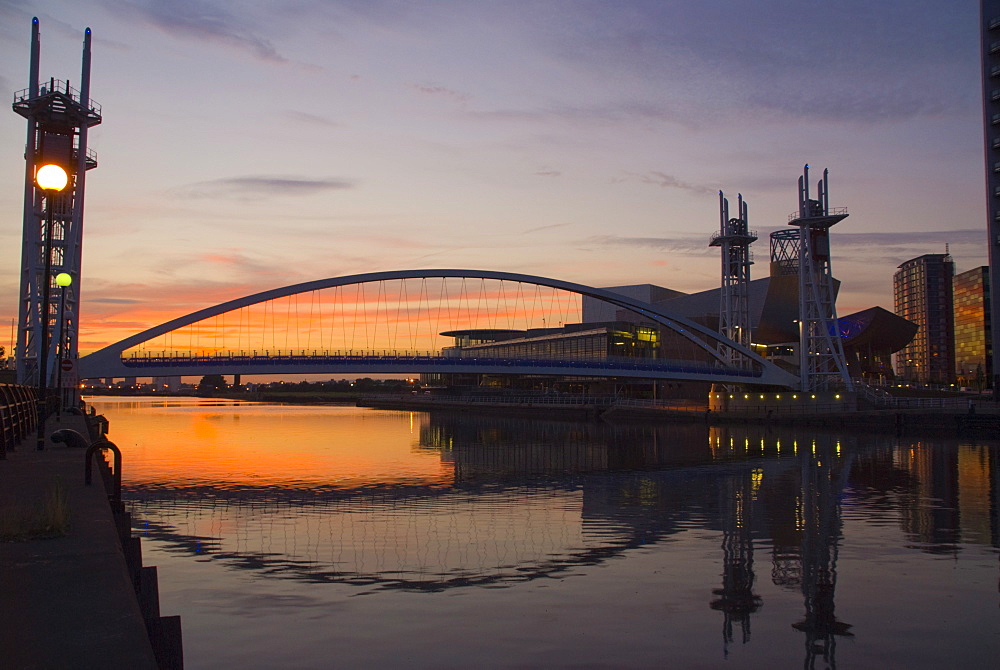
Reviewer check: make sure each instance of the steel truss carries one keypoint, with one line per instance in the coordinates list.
(58, 118)
(822, 364)
(734, 239)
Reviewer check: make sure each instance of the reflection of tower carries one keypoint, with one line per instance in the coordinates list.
(786, 530)
(734, 310)
(736, 598)
(820, 538)
(821, 353)
(58, 119)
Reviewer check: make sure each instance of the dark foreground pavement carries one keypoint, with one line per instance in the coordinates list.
(65, 602)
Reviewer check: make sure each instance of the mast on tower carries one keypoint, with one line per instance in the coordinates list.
(734, 238)
(822, 365)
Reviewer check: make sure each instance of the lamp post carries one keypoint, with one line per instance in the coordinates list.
(51, 179)
(63, 280)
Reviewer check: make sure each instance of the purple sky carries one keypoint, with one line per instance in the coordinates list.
(252, 145)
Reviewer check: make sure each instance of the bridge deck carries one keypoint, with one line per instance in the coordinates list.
(264, 364)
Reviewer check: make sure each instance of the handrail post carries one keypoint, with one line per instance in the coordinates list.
(116, 494)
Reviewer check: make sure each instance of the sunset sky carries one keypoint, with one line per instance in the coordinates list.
(252, 145)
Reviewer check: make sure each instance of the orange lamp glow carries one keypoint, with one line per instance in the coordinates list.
(51, 177)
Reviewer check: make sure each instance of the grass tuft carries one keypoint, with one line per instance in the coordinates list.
(50, 519)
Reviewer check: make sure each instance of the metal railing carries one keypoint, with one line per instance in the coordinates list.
(18, 415)
(315, 357)
(896, 402)
(834, 211)
(57, 86)
(883, 399)
(547, 400)
(113, 480)
(759, 410)
(518, 400)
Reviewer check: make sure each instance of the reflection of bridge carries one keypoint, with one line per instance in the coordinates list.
(403, 322)
(535, 500)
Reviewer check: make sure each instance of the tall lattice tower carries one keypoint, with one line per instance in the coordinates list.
(58, 119)
(822, 364)
(734, 238)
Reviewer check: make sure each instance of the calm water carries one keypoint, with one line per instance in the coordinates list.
(322, 537)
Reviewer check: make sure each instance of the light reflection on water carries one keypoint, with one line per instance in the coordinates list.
(504, 542)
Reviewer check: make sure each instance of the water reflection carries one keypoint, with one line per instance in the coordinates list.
(498, 502)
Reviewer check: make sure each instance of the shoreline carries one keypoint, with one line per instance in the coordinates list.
(985, 422)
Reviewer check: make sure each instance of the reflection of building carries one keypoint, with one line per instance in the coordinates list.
(973, 353)
(923, 295)
(934, 475)
(484, 446)
(977, 470)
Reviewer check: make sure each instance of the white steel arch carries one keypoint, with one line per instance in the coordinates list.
(110, 362)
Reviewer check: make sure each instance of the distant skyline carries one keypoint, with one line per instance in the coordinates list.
(581, 140)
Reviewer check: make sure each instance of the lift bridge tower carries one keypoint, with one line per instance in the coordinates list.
(735, 239)
(821, 353)
(58, 117)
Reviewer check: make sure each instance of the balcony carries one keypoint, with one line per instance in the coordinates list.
(56, 97)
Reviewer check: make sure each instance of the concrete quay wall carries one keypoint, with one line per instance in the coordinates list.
(80, 599)
(821, 412)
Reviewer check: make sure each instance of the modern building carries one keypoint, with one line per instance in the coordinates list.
(606, 333)
(869, 337)
(605, 341)
(990, 50)
(973, 348)
(922, 291)
(579, 342)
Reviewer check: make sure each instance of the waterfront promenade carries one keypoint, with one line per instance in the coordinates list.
(68, 600)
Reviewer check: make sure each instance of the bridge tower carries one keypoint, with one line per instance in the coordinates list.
(822, 365)
(58, 117)
(734, 238)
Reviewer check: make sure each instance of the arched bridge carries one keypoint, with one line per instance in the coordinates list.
(435, 321)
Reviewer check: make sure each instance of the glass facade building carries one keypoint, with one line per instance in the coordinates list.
(579, 342)
(989, 11)
(973, 350)
(922, 291)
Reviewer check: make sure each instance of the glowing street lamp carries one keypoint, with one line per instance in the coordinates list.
(50, 179)
(63, 281)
